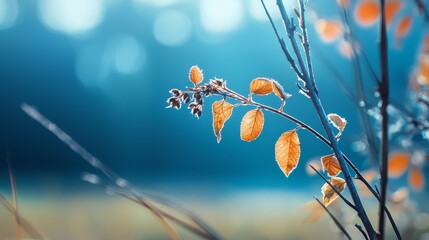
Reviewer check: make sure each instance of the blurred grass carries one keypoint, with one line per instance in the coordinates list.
(243, 215)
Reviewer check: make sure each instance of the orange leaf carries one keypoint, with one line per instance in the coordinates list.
(222, 111)
(416, 179)
(287, 151)
(196, 75)
(251, 125)
(398, 164)
(279, 91)
(261, 86)
(329, 194)
(330, 163)
(337, 121)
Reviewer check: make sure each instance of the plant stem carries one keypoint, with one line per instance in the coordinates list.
(339, 225)
(384, 94)
(322, 116)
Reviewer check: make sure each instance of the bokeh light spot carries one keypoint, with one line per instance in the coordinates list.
(172, 28)
(71, 16)
(221, 16)
(8, 13)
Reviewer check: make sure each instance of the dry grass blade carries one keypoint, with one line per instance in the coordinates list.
(23, 223)
(128, 192)
(15, 200)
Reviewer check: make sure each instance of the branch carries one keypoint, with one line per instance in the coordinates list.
(339, 225)
(335, 189)
(384, 95)
(283, 45)
(290, 29)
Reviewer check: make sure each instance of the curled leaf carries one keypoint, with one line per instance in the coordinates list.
(398, 164)
(251, 125)
(222, 111)
(330, 163)
(416, 179)
(288, 151)
(196, 75)
(261, 86)
(337, 121)
(279, 90)
(329, 194)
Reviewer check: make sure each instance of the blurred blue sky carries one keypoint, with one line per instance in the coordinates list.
(101, 70)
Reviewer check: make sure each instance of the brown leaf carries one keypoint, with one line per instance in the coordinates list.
(329, 194)
(196, 75)
(398, 164)
(261, 86)
(287, 151)
(330, 163)
(338, 122)
(251, 125)
(222, 111)
(279, 91)
(416, 179)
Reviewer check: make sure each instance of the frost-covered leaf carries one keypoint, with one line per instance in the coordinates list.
(416, 179)
(288, 151)
(337, 121)
(222, 111)
(261, 86)
(329, 194)
(398, 164)
(251, 125)
(279, 90)
(331, 165)
(196, 75)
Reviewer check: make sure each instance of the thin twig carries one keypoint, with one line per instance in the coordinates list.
(283, 45)
(334, 188)
(339, 225)
(290, 29)
(384, 95)
(359, 227)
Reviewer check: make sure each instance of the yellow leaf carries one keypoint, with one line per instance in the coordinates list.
(338, 122)
(287, 151)
(398, 164)
(329, 194)
(416, 179)
(222, 111)
(251, 125)
(261, 86)
(196, 75)
(330, 163)
(279, 91)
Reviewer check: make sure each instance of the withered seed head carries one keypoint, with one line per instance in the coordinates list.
(175, 92)
(186, 98)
